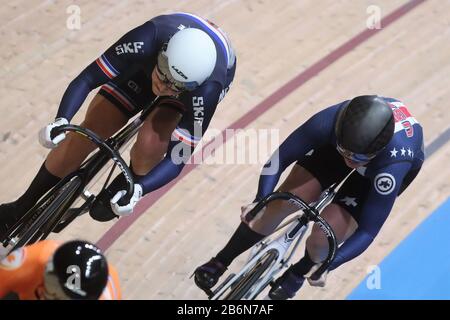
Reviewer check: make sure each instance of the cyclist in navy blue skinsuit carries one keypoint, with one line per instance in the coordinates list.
(376, 135)
(186, 60)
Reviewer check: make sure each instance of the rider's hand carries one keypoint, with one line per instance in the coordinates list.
(316, 282)
(245, 210)
(44, 134)
(127, 209)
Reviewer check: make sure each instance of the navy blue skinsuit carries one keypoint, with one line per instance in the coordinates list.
(370, 194)
(125, 70)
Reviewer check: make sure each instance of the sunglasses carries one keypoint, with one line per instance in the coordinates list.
(355, 157)
(163, 73)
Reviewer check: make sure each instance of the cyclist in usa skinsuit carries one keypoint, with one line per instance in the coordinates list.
(380, 138)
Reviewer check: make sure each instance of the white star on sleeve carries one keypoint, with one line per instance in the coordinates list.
(403, 151)
(394, 153)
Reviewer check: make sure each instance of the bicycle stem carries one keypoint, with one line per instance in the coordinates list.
(328, 194)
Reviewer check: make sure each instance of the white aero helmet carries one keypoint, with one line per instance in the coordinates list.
(188, 60)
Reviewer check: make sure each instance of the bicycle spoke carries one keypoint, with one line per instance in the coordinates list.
(251, 277)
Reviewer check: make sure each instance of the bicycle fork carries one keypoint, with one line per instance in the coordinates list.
(281, 245)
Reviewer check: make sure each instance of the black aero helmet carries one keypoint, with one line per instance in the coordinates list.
(365, 125)
(77, 270)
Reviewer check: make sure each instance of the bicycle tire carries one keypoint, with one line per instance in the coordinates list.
(31, 235)
(28, 217)
(249, 279)
(26, 221)
(72, 194)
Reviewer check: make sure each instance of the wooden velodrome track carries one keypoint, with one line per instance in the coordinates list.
(275, 41)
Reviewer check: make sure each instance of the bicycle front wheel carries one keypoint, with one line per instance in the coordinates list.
(47, 220)
(252, 276)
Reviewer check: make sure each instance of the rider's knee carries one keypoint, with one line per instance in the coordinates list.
(280, 209)
(317, 246)
(267, 219)
(150, 145)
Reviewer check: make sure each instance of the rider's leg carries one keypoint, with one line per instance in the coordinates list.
(149, 149)
(299, 182)
(315, 172)
(153, 139)
(342, 215)
(103, 118)
(343, 225)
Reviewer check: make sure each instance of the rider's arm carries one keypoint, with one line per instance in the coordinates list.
(374, 213)
(129, 50)
(312, 134)
(201, 105)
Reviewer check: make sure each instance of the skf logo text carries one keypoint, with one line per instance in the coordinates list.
(130, 47)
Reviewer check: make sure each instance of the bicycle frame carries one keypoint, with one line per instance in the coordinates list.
(297, 228)
(86, 172)
(95, 163)
(89, 169)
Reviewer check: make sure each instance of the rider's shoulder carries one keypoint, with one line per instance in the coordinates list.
(210, 90)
